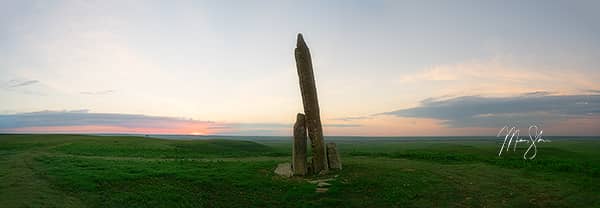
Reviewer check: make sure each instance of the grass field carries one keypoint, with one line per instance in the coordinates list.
(125, 171)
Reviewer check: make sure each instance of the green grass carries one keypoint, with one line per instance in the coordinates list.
(110, 171)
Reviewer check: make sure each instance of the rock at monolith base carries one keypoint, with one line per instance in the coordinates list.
(299, 150)
(311, 105)
(284, 170)
(333, 157)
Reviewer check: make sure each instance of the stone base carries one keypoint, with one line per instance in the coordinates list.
(284, 170)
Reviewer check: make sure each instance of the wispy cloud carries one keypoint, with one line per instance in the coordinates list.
(16, 83)
(84, 121)
(479, 111)
(342, 125)
(24, 86)
(501, 75)
(268, 129)
(104, 92)
(283, 125)
(593, 91)
(351, 118)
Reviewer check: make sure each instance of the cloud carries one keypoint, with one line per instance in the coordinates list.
(25, 86)
(529, 108)
(15, 83)
(351, 118)
(84, 121)
(342, 125)
(104, 92)
(593, 91)
(501, 75)
(269, 129)
(282, 125)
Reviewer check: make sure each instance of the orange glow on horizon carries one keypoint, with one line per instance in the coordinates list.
(197, 133)
(402, 126)
(375, 126)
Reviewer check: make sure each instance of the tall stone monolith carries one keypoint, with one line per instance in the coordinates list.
(311, 105)
(299, 149)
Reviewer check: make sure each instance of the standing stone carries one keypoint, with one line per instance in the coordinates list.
(333, 157)
(299, 150)
(311, 105)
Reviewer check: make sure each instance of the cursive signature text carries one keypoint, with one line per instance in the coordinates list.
(512, 136)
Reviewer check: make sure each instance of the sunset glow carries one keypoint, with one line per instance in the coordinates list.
(382, 68)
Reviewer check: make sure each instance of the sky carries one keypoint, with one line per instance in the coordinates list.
(383, 68)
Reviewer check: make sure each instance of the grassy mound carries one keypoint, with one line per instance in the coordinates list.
(156, 148)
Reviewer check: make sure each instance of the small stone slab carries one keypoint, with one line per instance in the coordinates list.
(323, 184)
(320, 180)
(321, 190)
(333, 157)
(299, 147)
(284, 170)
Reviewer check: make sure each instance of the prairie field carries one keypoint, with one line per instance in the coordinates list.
(130, 171)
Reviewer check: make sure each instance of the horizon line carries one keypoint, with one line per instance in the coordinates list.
(224, 135)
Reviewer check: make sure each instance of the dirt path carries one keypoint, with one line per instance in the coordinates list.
(22, 186)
